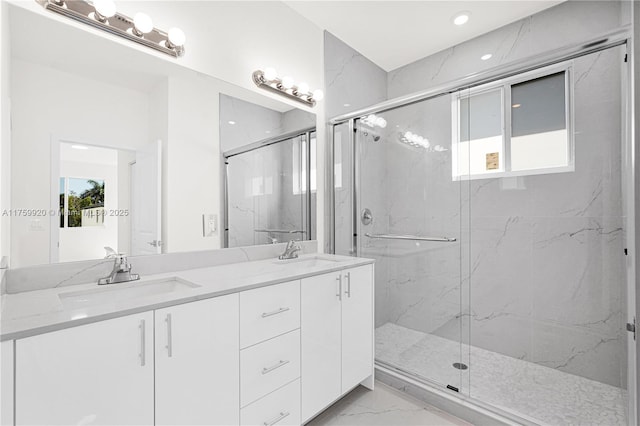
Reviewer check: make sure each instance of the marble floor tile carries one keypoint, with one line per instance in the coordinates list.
(384, 406)
(544, 395)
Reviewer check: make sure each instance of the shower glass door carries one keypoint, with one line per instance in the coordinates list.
(270, 193)
(412, 222)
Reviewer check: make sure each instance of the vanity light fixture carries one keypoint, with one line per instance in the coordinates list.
(102, 14)
(286, 86)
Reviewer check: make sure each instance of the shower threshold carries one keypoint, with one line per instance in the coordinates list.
(515, 388)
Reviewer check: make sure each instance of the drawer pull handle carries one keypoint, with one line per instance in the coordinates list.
(282, 415)
(276, 312)
(275, 367)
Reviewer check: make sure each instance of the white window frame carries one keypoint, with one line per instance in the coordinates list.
(505, 86)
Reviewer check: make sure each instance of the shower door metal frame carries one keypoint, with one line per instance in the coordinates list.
(623, 36)
(305, 135)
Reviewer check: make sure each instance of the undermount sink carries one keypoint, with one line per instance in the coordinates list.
(309, 261)
(120, 292)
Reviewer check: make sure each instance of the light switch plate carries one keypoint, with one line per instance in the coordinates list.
(209, 224)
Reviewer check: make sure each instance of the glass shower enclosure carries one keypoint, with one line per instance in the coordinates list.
(496, 214)
(270, 191)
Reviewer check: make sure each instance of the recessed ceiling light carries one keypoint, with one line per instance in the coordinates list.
(486, 56)
(79, 147)
(461, 18)
(268, 131)
(515, 106)
(231, 122)
(347, 105)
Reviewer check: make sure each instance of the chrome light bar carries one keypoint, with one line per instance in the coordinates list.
(118, 24)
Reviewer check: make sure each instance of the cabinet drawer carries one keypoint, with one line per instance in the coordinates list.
(280, 408)
(269, 312)
(269, 365)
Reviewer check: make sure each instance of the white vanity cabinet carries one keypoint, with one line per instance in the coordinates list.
(99, 374)
(197, 362)
(337, 335)
(272, 355)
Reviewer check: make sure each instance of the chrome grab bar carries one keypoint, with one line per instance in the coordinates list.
(410, 237)
(282, 231)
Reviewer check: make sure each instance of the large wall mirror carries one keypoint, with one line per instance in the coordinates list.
(112, 147)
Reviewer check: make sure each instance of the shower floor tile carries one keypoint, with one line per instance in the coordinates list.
(541, 394)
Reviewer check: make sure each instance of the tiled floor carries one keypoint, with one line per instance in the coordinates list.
(542, 394)
(384, 406)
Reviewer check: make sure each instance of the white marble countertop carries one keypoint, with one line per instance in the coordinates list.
(42, 311)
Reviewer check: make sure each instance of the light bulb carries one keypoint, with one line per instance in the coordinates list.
(142, 23)
(287, 82)
(303, 88)
(176, 37)
(105, 8)
(486, 57)
(461, 18)
(270, 74)
(318, 95)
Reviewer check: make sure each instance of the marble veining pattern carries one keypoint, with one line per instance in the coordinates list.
(383, 407)
(545, 395)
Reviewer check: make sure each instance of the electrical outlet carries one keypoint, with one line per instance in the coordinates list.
(209, 225)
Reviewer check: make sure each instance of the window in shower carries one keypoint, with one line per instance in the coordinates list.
(513, 127)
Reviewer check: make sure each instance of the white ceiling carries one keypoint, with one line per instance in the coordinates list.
(396, 33)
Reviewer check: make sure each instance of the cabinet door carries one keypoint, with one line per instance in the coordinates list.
(321, 356)
(197, 363)
(357, 326)
(98, 374)
(6, 387)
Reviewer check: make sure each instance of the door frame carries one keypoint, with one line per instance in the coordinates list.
(54, 146)
(306, 135)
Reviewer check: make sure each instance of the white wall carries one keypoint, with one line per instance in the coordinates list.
(60, 106)
(192, 158)
(5, 129)
(228, 39)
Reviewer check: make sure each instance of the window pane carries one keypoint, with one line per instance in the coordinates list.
(86, 202)
(480, 129)
(538, 124)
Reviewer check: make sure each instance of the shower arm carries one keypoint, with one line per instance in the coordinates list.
(410, 237)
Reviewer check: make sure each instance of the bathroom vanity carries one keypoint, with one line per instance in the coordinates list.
(256, 342)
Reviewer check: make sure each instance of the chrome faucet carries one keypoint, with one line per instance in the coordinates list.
(121, 272)
(291, 251)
